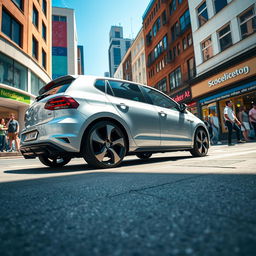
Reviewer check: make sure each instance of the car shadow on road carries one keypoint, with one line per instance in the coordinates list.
(85, 167)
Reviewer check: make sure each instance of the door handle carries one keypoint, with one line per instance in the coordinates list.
(123, 106)
(162, 113)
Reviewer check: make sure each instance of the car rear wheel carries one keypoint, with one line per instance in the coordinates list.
(105, 145)
(201, 144)
(57, 161)
(144, 155)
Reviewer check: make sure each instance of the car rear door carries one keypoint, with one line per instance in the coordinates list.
(141, 117)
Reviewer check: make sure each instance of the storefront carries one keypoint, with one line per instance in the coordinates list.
(13, 100)
(236, 83)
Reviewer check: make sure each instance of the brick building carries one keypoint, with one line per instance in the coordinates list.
(168, 47)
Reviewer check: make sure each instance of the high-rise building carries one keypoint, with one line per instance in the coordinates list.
(117, 48)
(25, 59)
(64, 42)
(168, 48)
(224, 34)
(80, 60)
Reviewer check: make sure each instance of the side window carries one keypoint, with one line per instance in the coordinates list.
(100, 85)
(159, 99)
(127, 91)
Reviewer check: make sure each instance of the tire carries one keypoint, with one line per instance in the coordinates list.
(144, 155)
(54, 161)
(201, 143)
(105, 145)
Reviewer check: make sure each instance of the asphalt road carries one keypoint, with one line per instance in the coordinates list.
(172, 204)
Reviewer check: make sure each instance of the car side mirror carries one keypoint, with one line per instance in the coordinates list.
(183, 107)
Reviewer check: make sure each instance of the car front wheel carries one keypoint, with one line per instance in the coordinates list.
(57, 161)
(201, 144)
(105, 145)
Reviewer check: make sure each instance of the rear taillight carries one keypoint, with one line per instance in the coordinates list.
(61, 103)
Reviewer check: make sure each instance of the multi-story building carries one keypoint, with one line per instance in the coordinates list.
(64, 42)
(25, 60)
(80, 60)
(117, 48)
(168, 48)
(225, 51)
(139, 74)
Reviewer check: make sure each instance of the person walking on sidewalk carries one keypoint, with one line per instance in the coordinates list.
(244, 120)
(215, 128)
(2, 135)
(252, 115)
(13, 131)
(231, 123)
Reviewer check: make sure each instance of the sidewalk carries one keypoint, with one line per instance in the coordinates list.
(10, 154)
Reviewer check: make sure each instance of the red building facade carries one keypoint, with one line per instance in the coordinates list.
(169, 48)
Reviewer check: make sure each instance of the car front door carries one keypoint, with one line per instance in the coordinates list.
(175, 125)
(141, 117)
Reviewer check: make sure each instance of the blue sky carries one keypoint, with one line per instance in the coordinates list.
(93, 21)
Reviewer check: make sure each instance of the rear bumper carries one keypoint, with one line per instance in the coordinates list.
(48, 149)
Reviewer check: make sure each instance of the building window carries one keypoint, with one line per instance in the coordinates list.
(34, 48)
(43, 58)
(175, 30)
(117, 56)
(117, 34)
(43, 31)
(149, 37)
(172, 6)
(178, 49)
(189, 37)
(44, 7)
(11, 28)
(225, 38)
(162, 85)
(219, 5)
(247, 23)
(175, 78)
(12, 73)
(164, 18)
(184, 21)
(207, 49)
(156, 26)
(35, 16)
(36, 84)
(191, 68)
(184, 43)
(180, 1)
(19, 3)
(59, 18)
(202, 14)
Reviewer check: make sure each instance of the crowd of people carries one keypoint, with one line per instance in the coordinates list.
(9, 135)
(244, 124)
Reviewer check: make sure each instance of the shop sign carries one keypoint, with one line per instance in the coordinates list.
(5, 93)
(182, 95)
(229, 93)
(245, 70)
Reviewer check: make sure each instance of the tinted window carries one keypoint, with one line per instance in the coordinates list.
(100, 85)
(127, 91)
(158, 99)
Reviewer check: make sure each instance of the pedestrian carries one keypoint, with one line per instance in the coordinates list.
(252, 115)
(209, 127)
(214, 120)
(13, 131)
(2, 135)
(244, 120)
(231, 123)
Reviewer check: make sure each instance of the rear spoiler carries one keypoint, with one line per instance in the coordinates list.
(56, 82)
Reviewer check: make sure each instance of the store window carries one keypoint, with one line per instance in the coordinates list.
(202, 14)
(207, 50)
(36, 84)
(11, 28)
(225, 38)
(247, 23)
(175, 78)
(12, 73)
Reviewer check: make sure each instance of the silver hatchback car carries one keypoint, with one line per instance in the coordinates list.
(105, 119)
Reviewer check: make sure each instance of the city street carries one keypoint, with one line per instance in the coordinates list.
(172, 204)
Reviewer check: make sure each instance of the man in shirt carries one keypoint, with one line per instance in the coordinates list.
(231, 123)
(13, 131)
(252, 115)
